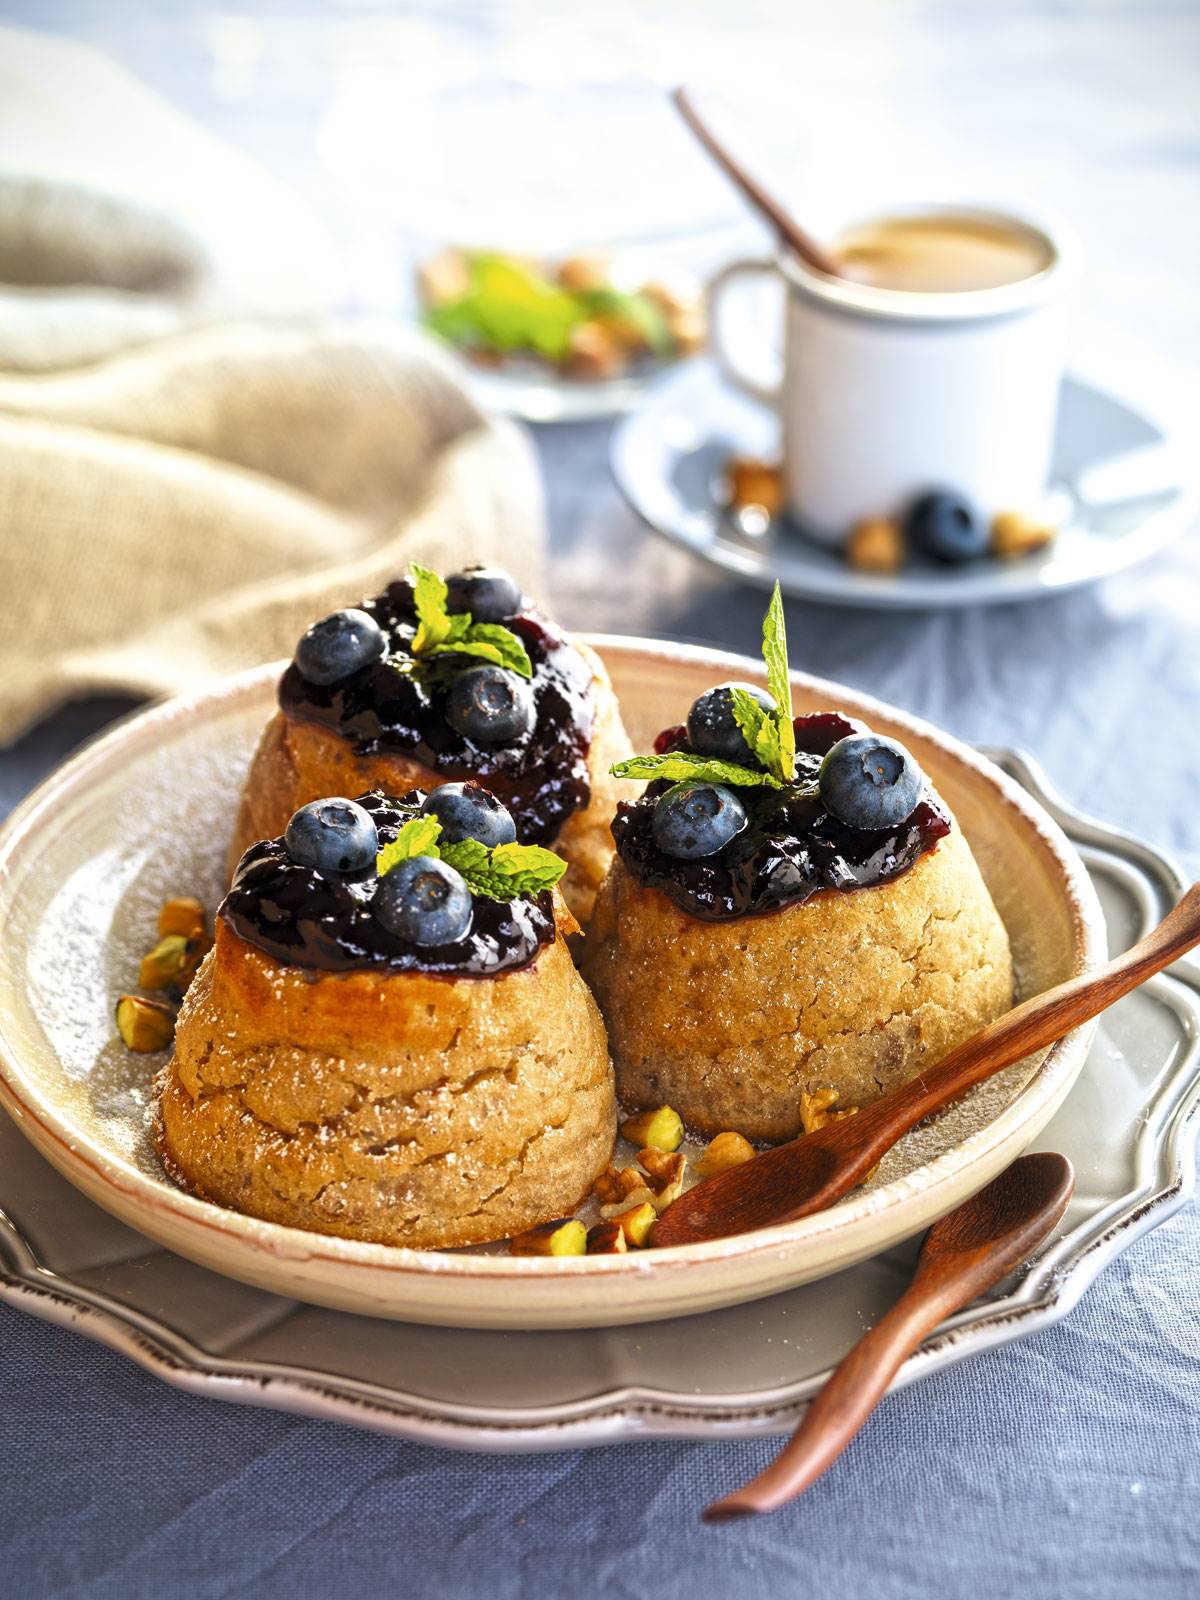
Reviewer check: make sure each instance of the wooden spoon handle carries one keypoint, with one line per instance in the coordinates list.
(785, 225)
(1038, 1021)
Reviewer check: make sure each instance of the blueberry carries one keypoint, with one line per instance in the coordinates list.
(466, 811)
(333, 836)
(946, 527)
(490, 705)
(868, 781)
(425, 901)
(338, 645)
(711, 728)
(489, 594)
(694, 820)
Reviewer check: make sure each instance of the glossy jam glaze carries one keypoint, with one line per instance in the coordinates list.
(383, 709)
(791, 847)
(324, 920)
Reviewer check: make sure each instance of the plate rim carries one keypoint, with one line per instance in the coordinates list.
(842, 587)
(191, 1214)
(1048, 1289)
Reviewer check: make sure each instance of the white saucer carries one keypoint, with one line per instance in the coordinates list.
(1119, 472)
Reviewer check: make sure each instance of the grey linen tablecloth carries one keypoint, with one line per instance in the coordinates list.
(1064, 1466)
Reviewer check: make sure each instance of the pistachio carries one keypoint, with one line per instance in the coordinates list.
(1014, 535)
(637, 1222)
(875, 545)
(814, 1108)
(183, 916)
(145, 1025)
(754, 483)
(725, 1151)
(566, 1236)
(607, 1239)
(666, 1173)
(173, 962)
(616, 1184)
(662, 1129)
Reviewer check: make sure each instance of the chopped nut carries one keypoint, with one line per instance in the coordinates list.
(636, 1196)
(725, 1151)
(814, 1108)
(666, 1174)
(679, 296)
(754, 483)
(566, 1236)
(173, 962)
(607, 1239)
(594, 351)
(662, 1128)
(444, 278)
(688, 330)
(875, 545)
(615, 1185)
(1014, 535)
(145, 1025)
(637, 1222)
(581, 273)
(183, 916)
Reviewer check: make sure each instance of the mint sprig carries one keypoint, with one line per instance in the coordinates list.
(679, 766)
(442, 633)
(775, 659)
(507, 872)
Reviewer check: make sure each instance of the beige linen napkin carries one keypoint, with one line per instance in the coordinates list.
(180, 497)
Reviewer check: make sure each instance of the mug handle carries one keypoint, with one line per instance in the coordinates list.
(762, 267)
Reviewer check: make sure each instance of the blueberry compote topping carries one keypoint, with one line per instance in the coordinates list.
(541, 775)
(791, 846)
(305, 917)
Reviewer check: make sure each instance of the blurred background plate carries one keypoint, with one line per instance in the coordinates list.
(1115, 470)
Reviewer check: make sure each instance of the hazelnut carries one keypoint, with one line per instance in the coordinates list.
(663, 1129)
(183, 916)
(566, 1236)
(579, 274)
(875, 545)
(636, 1223)
(145, 1025)
(754, 483)
(594, 351)
(1015, 535)
(725, 1151)
(607, 1239)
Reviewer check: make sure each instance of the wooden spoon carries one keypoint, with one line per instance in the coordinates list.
(785, 225)
(963, 1256)
(813, 1171)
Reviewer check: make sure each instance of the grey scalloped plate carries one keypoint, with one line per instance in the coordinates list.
(1117, 476)
(1128, 1125)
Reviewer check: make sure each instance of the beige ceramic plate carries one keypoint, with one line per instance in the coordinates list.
(145, 813)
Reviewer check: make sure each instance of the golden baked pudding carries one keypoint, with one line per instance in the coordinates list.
(782, 920)
(434, 682)
(376, 1056)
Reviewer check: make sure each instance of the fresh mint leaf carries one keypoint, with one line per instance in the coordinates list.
(418, 837)
(508, 871)
(679, 766)
(758, 728)
(489, 641)
(434, 621)
(775, 659)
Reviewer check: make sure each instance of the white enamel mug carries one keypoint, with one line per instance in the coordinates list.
(888, 393)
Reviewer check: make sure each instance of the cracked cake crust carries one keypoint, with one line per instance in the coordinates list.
(405, 1110)
(730, 1021)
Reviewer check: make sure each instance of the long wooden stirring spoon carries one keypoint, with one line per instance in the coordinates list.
(813, 1171)
(963, 1256)
(785, 225)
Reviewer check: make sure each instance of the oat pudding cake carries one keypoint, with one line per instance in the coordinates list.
(791, 909)
(389, 1040)
(448, 681)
